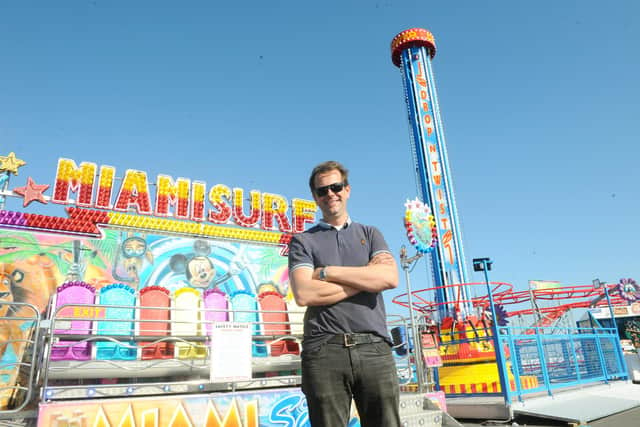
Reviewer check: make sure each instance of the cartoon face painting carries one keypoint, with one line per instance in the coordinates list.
(133, 251)
(200, 271)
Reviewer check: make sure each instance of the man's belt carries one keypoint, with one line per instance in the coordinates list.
(349, 340)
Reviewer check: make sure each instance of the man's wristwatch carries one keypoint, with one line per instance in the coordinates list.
(323, 274)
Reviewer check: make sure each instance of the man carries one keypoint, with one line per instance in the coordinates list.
(338, 269)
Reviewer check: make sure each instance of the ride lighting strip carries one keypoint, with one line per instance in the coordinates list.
(86, 222)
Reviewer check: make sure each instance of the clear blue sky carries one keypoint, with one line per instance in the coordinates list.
(539, 102)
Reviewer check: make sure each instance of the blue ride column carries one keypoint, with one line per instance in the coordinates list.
(412, 51)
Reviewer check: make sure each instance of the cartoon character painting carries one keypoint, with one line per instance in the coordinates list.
(31, 281)
(10, 331)
(198, 267)
(131, 255)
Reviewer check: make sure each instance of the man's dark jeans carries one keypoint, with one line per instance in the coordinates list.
(332, 374)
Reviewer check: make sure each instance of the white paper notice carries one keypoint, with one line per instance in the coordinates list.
(230, 352)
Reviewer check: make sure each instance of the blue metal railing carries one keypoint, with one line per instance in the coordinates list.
(545, 359)
(565, 358)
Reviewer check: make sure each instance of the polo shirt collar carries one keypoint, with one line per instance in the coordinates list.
(327, 225)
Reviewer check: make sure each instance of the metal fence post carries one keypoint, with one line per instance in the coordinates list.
(484, 264)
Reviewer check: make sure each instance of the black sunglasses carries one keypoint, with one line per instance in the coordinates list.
(336, 187)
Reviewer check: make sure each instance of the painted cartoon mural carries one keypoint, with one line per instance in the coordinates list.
(33, 265)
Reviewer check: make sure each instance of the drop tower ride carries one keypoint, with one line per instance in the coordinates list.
(470, 361)
(412, 51)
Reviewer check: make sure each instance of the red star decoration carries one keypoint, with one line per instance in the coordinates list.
(31, 192)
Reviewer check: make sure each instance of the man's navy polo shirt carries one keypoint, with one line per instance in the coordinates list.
(353, 245)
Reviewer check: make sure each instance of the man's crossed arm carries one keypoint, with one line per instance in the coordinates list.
(379, 274)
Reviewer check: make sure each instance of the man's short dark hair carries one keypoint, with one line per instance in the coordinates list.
(328, 166)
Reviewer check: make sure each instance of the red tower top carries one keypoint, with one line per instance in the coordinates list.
(409, 38)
